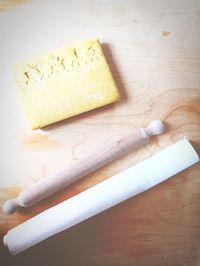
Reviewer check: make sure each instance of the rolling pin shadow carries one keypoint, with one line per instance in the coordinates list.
(58, 181)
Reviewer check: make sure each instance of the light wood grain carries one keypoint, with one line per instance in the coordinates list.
(153, 48)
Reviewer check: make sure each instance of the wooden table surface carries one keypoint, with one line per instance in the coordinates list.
(153, 48)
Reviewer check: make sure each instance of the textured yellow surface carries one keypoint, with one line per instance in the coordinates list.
(64, 83)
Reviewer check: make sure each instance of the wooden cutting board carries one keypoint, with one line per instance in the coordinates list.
(153, 49)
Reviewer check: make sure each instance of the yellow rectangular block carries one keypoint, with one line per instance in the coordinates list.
(64, 83)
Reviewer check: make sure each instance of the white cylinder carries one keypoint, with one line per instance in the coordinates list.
(108, 193)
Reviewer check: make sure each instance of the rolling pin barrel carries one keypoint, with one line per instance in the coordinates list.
(112, 151)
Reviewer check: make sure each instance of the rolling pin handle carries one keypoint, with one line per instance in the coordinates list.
(156, 127)
(11, 205)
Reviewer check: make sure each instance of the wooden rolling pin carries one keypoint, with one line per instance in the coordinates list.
(112, 151)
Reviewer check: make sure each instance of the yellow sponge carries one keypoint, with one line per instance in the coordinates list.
(64, 83)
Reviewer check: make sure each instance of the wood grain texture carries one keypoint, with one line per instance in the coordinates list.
(153, 48)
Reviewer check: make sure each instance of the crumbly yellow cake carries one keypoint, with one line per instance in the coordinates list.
(64, 83)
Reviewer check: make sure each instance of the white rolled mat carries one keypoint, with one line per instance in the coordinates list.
(108, 193)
